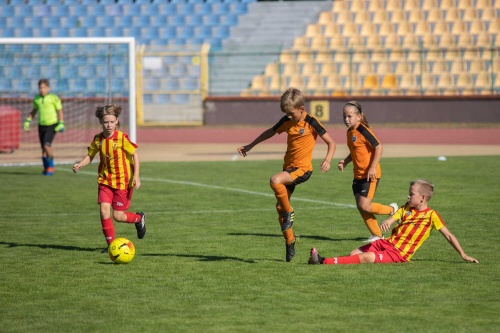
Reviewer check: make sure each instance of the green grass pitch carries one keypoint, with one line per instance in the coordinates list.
(213, 256)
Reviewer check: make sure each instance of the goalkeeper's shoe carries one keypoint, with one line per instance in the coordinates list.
(141, 226)
(315, 258)
(290, 248)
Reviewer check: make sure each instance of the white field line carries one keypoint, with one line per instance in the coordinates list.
(223, 188)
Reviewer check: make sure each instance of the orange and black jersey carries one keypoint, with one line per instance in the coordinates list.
(302, 136)
(362, 142)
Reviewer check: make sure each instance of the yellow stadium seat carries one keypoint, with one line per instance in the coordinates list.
(393, 5)
(331, 29)
(494, 27)
(324, 56)
(389, 82)
(375, 5)
(272, 69)
(309, 69)
(464, 40)
(483, 40)
(440, 28)
(380, 16)
(477, 28)
(439, 66)
(370, 82)
(384, 68)
(458, 28)
(392, 41)
(488, 14)
(344, 18)
(315, 82)
(386, 29)
(477, 66)
(445, 4)
(300, 43)
(333, 82)
(429, 40)
(355, 41)
(483, 81)
(422, 28)
(287, 57)
(416, 16)
(373, 41)
(434, 15)
(325, 18)
(445, 81)
(258, 82)
(339, 6)
(336, 42)
(297, 82)
(457, 66)
(470, 14)
(429, 4)
(362, 17)
(328, 68)
(378, 54)
(463, 4)
(398, 16)
(247, 93)
(345, 69)
(277, 83)
(304, 57)
(408, 81)
(404, 29)
(482, 4)
(357, 6)
(313, 30)
(410, 40)
(412, 4)
(452, 15)
(402, 68)
(464, 81)
(447, 40)
(290, 69)
(368, 29)
(319, 43)
(350, 29)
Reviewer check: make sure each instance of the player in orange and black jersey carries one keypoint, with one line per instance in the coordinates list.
(415, 223)
(302, 130)
(365, 151)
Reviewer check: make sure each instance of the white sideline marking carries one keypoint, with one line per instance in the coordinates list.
(231, 189)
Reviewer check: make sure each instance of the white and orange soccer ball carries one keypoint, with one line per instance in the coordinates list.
(121, 251)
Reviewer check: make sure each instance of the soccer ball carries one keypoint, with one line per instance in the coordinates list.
(121, 251)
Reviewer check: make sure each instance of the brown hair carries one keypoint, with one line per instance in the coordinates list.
(43, 81)
(110, 109)
(358, 109)
(291, 99)
(424, 187)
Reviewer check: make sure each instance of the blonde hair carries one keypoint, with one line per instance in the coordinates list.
(292, 99)
(109, 109)
(424, 187)
(356, 107)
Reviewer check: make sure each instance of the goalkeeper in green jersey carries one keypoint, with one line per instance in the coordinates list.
(50, 121)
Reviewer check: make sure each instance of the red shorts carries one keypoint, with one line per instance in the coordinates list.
(384, 252)
(118, 199)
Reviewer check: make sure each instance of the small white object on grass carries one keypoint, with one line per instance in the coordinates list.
(234, 157)
(442, 158)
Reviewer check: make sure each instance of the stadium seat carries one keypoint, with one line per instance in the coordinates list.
(230, 19)
(7, 11)
(434, 15)
(204, 32)
(178, 20)
(240, 8)
(26, 10)
(17, 22)
(195, 20)
(88, 21)
(125, 21)
(71, 22)
(143, 21)
(205, 9)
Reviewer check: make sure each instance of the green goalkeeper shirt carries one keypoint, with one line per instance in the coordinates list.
(47, 109)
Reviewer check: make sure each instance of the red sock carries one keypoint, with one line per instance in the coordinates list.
(347, 260)
(132, 217)
(108, 229)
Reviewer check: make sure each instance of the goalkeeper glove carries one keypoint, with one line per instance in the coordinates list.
(26, 124)
(60, 127)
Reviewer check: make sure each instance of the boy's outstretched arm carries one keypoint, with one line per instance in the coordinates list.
(325, 165)
(86, 160)
(137, 164)
(456, 245)
(386, 225)
(267, 134)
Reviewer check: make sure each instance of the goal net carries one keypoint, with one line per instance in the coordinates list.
(83, 72)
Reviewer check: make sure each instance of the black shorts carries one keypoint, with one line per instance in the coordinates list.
(299, 176)
(46, 134)
(364, 188)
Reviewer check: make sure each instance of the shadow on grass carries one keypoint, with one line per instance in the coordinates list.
(23, 173)
(315, 237)
(52, 246)
(206, 257)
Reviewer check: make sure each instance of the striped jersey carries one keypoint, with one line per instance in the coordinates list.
(47, 107)
(116, 165)
(362, 142)
(413, 229)
(301, 139)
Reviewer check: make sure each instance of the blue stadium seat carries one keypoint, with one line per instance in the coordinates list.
(222, 32)
(15, 72)
(178, 20)
(152, 83)
(119, 70)
(150, 9)
(23, 85)
(148, 98)
(240, 8)
(179, 70)
(151, 33)
(160, 20)
(223, 8)
(45, 32)
(125, 21)
(114, 10)
(72, 22)
(54, 2)
(26, 32)
(135, 32)
(214, 1)
(190, 83)
(172, 84)
(61, 85)
(98, 32)
(62, 32)
(8, 11)
(26, 11)
(119, 86)
(114, 32)
(35, 2)
(143, 21)
(79, 10)
(98, 86)
(3, 23)
(181, 99)
(52, 22)
(215, 42)
(143, 2)
(195, 20)
(78, 85)
(168, 32)
(107, 2)
(178, 41)
(81, 32)
(187, 32)
(107, 21)
(212, 20)
(187, 9)
(62, 10)
(89, 22)
(231, 20)
(195, 1)
(177, 1)
(35, 22)
(17, 22)
(204, 9)
(204, 32)
(161, 99)
(72, 2)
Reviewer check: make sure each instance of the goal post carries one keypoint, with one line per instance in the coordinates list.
(83, 72)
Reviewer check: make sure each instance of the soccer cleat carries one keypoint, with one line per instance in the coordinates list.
(288, 218)
(141, 226)
(315, 258)
(105, 250)
(290, 249)
(372, 239)
(395, 207)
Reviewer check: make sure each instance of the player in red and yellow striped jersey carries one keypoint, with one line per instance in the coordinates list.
(118, 173)
(416, 221)
(365, 151)
(302, 130)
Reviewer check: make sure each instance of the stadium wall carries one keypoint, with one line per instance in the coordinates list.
(381, 110)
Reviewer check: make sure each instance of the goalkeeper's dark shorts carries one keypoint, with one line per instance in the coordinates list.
(46, 134)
